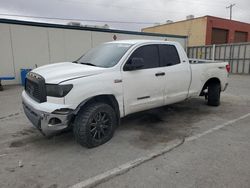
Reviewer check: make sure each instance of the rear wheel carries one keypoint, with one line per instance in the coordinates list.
(95, 125)
(213, 95)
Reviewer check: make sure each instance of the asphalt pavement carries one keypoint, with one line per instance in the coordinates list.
(212, 147)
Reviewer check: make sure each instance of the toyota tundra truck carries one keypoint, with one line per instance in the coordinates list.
(113, 80)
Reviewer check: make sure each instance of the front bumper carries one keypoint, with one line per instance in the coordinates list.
(47, 123)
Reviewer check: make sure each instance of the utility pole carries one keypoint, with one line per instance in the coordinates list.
(231, 10)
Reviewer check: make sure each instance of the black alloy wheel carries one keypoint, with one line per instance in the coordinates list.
(95, 124)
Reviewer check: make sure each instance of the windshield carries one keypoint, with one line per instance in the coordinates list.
(105, 55)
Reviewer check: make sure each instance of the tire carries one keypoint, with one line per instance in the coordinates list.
(213, 94)
(94, 125)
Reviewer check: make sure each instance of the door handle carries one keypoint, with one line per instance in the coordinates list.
(160, 74)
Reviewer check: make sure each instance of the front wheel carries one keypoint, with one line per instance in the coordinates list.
(95, 125)
(213, 95)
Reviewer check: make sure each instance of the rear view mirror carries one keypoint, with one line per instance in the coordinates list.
(134, 64)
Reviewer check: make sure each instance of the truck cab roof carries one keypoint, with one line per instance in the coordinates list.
(143, 41)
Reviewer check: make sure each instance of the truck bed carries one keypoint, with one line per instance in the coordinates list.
(202, 70)
(198, 61)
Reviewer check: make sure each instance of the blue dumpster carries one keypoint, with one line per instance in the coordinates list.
(23, 75)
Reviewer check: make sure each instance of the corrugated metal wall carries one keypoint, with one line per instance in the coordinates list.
(238, 55)
(28, 46)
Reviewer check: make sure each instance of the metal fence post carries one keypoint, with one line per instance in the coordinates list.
(213, 52)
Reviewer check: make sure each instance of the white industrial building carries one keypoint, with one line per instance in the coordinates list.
(30, 44)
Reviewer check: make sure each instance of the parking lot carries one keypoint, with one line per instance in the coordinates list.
(196, 146)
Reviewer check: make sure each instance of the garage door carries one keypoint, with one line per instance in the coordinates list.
(240, 36)
(219, 36)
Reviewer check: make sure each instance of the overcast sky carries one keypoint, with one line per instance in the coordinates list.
(146, 12)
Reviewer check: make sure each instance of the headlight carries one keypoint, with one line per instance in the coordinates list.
(55, 90)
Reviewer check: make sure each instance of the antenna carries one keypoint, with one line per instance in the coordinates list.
(231, 10)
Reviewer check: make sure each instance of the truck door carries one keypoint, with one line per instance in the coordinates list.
(144, 88)
(177, 72)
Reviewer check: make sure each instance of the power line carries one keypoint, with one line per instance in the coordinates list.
(77, 19)
(231, 10)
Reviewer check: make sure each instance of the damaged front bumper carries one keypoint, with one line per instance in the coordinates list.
(48, 123)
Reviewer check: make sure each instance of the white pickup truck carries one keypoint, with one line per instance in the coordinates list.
(113, 80)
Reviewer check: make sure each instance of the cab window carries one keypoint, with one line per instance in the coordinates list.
(149, 54)
(168, 55)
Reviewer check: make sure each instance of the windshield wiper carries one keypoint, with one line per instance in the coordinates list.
(88, 64)
(84, 63)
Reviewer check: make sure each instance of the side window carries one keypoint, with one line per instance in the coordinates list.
(149, 54)
(168, 55)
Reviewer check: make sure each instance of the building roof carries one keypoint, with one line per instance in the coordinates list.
(61, 26)
(201, 17)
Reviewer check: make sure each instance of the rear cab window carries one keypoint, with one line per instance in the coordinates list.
(169, 55)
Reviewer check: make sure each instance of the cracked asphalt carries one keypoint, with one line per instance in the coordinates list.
(218, 159)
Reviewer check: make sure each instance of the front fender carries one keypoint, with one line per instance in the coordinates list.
(86, 88)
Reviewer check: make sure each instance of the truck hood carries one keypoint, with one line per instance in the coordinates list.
(59, 72)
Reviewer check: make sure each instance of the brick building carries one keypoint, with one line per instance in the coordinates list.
(206, 30)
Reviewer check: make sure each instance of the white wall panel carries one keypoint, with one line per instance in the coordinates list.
(76, 43)
(121, 36)
(30, 47)
(182, 41)
(101, 37)
(56, 45)
(6, 58)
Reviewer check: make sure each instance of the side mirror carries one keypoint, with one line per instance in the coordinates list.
(134, 64)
